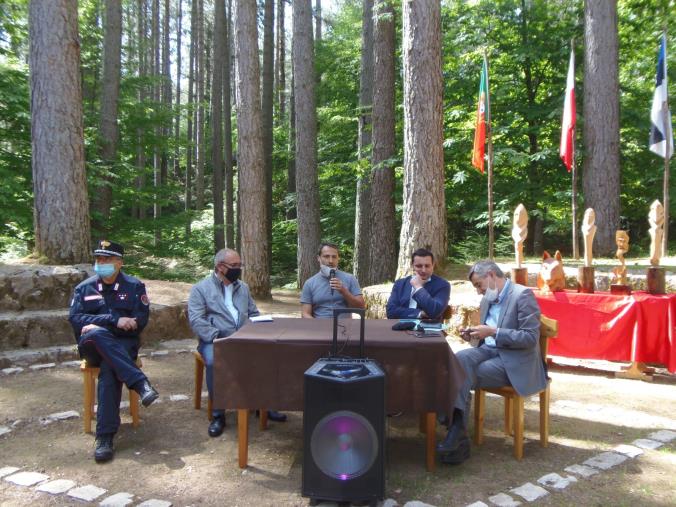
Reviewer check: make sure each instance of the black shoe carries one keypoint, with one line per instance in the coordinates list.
(453, 439)
(273, 415)
(458, 456)
(147, 393)
(217, 426)
(104, 449)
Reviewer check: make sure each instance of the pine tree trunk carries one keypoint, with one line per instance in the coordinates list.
(307, 180)
(424, 215)
(227, 145)
(157, 98)
(200, 123)
(109, 99)
(601, 132)
(61, 207)
(217, 124)
(362, 229)
(318, 20)
(177, 112)
(250, 160)
(280, 61)
(383, 249)
(191, 127)
(291, 212)
(267, 100)
(138, 210)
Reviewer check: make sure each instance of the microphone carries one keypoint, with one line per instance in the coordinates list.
(332, 275)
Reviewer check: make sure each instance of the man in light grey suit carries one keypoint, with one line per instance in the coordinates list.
(508, 351)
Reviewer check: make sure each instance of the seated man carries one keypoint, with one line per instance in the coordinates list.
(423, 295)
(508, 353)
(330, 288)
(218, 306)
(108, 312)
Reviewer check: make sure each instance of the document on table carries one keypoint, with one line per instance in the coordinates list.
(261, 318)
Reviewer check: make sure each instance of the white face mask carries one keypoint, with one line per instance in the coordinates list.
(325, 270)
(491, 294)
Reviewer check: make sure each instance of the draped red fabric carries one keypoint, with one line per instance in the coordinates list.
(605, 326)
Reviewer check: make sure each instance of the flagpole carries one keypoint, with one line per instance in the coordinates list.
(576, 247)
(668, 139)
(489, 142)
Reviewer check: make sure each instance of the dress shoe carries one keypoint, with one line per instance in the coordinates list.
(103, 450)
(146, 392)
(459, 455)
(453, 439)
(217, 426)
(273, 415)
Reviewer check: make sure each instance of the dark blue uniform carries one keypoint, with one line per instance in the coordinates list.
(113, 349)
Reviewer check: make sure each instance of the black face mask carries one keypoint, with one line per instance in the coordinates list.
(233, 274)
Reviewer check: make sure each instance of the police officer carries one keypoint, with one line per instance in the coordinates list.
(108, 312)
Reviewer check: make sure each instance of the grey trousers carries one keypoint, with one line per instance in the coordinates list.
(483, 368)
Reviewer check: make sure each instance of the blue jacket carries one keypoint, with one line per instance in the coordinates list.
(97, 303)
(432, 298)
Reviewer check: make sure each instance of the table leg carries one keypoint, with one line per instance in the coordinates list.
(243, 436)
(430, 430)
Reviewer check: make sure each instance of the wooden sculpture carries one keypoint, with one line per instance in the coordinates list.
(519, 233)
(620, 272)
(551, 277)
(655, 279)
(585, 274)
(656, 219)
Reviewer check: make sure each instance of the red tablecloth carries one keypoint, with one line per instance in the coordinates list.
(639, 327)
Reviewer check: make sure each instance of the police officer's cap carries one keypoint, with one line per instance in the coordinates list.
(107, 248)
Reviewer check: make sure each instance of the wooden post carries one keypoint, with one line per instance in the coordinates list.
(520, 276)
(243, 436)
(655, 281)
(585, 279)
(430, 429)
(489, 142)
(576, 247)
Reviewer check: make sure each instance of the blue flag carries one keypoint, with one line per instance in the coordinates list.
(661, 134)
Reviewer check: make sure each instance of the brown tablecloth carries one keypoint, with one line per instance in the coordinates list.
(262, 364)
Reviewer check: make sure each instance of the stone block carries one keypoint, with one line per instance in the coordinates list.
(555, 481)
(11, 371)
(26, 478)
(529, 491)
(88, 493)
(605, 460)
(178, 397)
(646, 443)
(62, 416)
(43, 366)
(665, 436)
(4, 430)
(8, 471)
(153, 502)
(628, 450)
(477, 504)
(503, 500)
(417, 503)
(56, 487)
(117, 500)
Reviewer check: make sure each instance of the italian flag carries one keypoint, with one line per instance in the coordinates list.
(480, 127)
(567, 146)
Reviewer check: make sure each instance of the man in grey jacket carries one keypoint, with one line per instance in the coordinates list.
(218, 306)
(508, 351)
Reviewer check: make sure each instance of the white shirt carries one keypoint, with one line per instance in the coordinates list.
(227, 299)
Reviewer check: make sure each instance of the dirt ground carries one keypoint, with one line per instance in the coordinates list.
(171, 457)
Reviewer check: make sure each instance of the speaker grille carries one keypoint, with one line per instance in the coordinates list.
(344, 445)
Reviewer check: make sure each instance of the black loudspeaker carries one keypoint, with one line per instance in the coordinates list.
(344, 430)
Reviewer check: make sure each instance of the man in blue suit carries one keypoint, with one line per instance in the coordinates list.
(508, 351)
(422, 295)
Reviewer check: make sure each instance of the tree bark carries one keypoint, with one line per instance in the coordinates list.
(307, 180)
(157, 99)
(61, 207)
(217, 124)
(280, 61)
(108, 133)
(199, 124)
(318, 20)
(424, 216)
(227, 145)
(383, 249)
(267, 103)
(192, 127)
(362, 230)
(250, 158)
(291, 211)
(601, 131)
(177, 113)
(138, 209)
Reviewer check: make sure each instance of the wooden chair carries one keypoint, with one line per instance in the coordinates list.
(199, 380)
(89, 376)
(514, 403)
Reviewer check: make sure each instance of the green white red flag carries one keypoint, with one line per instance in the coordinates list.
(482, 113)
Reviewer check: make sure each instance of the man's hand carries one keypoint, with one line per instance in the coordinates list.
(336, 284)
(127, 323)
(477, 332)
(89, 327)
(416, 282)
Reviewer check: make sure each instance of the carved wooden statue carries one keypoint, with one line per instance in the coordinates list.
(656, 219)
(588, 232)
(519, 232)
(620, 272)
(551, 277)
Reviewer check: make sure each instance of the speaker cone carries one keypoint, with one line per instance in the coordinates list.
(344, 445)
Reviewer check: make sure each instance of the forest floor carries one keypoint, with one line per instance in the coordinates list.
(170, 457)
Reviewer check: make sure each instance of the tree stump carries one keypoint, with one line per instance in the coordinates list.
(585, 279)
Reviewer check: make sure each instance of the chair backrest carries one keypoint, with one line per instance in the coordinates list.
(549, 328)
